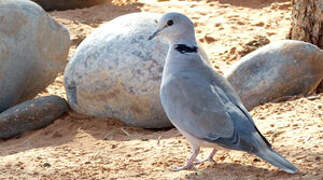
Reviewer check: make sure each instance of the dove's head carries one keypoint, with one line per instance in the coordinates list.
(174, 27)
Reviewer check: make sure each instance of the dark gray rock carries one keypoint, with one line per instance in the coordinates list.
(30, 115)
(280, 69)
(33, 49)
(50, 5)
(116, 72)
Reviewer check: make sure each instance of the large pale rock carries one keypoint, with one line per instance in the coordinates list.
(33, 49)
(116, 72)
(281, 69)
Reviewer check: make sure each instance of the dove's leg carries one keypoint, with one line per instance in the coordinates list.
(190, 163)
(209, 158)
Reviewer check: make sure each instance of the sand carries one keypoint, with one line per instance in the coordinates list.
(80, 147)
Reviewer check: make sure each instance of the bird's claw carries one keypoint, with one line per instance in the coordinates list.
(204, 160)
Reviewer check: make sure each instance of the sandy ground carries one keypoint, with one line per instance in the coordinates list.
(79, 147)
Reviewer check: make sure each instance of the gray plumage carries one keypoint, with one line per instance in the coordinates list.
(201, 104)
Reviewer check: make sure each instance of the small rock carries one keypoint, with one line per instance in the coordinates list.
(317, 158)
(260, 24)
(33, 50)
(46, 165)
(30, 115)
(281, 69)
(240, 23)
(233, 50)
(209, 39)
(217, 24)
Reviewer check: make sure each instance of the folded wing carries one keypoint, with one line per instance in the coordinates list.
(205, 111)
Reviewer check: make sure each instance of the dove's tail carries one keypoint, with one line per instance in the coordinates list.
(276, 159)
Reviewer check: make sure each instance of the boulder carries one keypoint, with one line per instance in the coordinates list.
(30, 115)
(33, 50)
(280, 69)
(116, 72)
(50, 5)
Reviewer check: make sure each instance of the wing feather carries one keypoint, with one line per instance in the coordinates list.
(200, 110)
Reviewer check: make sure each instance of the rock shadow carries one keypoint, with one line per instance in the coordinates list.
(67, 129)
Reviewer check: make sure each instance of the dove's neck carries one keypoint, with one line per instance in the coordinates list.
(183, 55)
(184, 43)
(186, 39)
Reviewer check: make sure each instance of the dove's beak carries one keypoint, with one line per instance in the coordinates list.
(155, 34)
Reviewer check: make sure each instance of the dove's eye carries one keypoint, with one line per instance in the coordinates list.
(170, 22)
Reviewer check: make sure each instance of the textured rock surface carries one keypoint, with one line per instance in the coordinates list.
(30, 115)
(116, 72)
(33, 49)
(49, 5)
(280, 69)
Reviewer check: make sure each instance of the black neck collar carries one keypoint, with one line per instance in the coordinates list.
(183, 48)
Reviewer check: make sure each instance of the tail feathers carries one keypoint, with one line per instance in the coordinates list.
(277, 160)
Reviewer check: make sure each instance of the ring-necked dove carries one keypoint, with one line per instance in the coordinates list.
(202, 104)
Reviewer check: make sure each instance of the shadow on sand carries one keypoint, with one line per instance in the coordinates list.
(68, 127)
(255, 4)
(237, 171)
